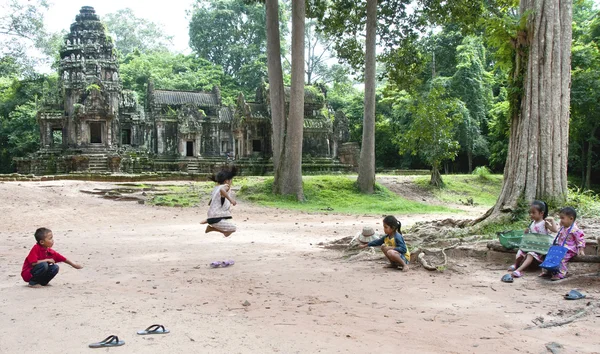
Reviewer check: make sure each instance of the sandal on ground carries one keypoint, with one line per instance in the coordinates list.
(557, 277)
(574, 295)
(512, 268)
(544, 275)
(154, 329)
(110, 341)
(222, 264)
(517, 274)
(507, 278)
(227, 263)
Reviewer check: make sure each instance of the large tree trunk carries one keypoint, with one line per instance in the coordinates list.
(275, 72)
(536, 166)
(289, 181)
(436, 177)
(366, 169)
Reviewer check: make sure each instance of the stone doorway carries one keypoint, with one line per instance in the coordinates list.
(96, 133)
(189, 148)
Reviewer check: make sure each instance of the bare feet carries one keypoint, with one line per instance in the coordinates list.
(205, 221)
(405, 268)
(227, 234)
(210, 229)
(391, 266)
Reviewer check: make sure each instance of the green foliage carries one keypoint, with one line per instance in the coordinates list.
(586, 202)
(585, 93)
(130, 32)
(92, 87)
(472, 85)
(21, 30)
(432, 130)
(482, 172)
(19, 100)
(337, 194)
(231, 34)
(173, 72)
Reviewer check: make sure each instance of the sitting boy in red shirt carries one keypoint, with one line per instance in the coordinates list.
(40, 265)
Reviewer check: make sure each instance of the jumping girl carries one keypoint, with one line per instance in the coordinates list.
(220, 203)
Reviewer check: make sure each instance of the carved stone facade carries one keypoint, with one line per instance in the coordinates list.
(98, 118)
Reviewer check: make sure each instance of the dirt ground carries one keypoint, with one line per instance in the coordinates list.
(146, 265)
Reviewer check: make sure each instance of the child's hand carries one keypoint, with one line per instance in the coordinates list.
(527, 230)
(233, 202)
(77, 266)
(363, 245)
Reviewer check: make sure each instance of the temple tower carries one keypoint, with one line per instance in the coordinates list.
(89, 75)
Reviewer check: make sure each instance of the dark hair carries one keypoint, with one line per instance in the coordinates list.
(541, 206)
(225, 174)
(40, 234)
(392, 222)
(568, 211)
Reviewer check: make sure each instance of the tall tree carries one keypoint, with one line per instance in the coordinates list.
(290, 168)
(536, 166)
(472, 84)
(131, 32)
(585, 93)
(317, 54)
(366, 169)
(231, 33)
(21, 31)
(431, 134)
(275, 72)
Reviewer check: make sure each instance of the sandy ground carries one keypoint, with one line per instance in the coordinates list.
(146, 265)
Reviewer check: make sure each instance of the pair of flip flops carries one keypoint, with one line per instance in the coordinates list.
(574, 295)
(222, 264)
(113, 341)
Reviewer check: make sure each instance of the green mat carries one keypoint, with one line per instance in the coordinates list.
(538, 243)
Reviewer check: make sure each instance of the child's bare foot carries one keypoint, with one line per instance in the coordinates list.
(227, 234)
(405, 268)
(205, 221)
(209, 229)
(391, 266)
(35, 286)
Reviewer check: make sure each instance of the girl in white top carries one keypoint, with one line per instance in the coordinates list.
(540, 224)
(219, 214)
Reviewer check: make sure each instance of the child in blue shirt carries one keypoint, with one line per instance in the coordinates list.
(392, 244)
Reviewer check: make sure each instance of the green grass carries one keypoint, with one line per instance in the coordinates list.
(337, 194)
(459, 188)
(181, 195)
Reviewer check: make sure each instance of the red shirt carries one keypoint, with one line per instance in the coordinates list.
(38, 253)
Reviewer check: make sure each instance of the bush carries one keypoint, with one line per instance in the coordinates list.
(587, 203)
(482, 172)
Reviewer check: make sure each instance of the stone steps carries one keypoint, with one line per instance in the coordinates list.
(98, 163)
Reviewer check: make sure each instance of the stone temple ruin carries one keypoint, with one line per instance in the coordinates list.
(99, 127)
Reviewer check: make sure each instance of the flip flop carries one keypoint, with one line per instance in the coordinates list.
(507, 278)
(574, 295)
(227, 263)
(517, 274)
(154, 329)
(110, 341)
(215, 264)
(512, 268)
